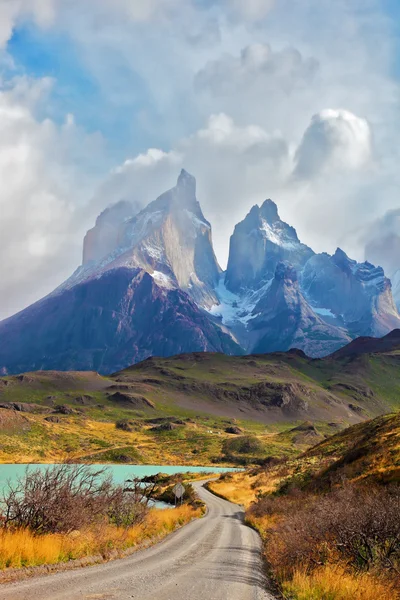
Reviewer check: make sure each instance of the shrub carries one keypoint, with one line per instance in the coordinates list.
(245, 444)
(124, 425)
(359, 525)
(63, 498)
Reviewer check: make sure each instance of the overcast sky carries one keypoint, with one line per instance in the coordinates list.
(100, 100)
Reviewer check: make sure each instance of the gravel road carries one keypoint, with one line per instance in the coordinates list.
(213, 558)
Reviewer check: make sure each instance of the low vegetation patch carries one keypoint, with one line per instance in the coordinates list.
(329, 519)
(69, 512)
(24, 548)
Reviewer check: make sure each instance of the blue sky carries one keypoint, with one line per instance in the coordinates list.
(299, 101)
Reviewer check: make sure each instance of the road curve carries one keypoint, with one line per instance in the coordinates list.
(213, 558)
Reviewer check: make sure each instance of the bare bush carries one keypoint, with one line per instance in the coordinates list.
(63, 498)
(126, 510)
(358, 524)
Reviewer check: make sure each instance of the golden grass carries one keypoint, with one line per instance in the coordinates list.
(243, 487)
(333, 582)
(22, 548)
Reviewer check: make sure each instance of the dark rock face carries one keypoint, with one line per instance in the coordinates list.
(369, 345)
(359, 293)
(107, 324)
(283, 319)
(234, 430)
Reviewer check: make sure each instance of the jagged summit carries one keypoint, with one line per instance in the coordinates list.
(182, 196)
(150, 284)
(187, 182)
(258, 244)
(170, 239)
(359, 294)
(283, 319)
(269, 211)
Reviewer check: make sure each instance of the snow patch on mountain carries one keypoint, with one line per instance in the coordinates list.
(233, 308)
(278, 236)
(196, 221)
(162, 279)
(324, 312)
(140, 227)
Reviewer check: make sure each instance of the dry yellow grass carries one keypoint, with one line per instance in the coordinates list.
(23, 548)
(243, 487)
(332, 582)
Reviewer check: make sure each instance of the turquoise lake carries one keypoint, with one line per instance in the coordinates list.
(121, 473)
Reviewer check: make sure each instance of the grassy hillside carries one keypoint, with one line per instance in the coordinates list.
(368, 452)
(329, 518)
(192, 409)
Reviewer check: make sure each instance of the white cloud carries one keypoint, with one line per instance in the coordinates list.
(257, 67)
(237, 167)
(382, 241)
(42, 188)
(269, 67)
(335, 139)
(11, 11)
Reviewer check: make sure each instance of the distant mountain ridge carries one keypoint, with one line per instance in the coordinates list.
(150, 284)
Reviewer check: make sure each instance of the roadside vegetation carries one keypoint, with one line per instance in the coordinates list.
(69, 512)
(329, 519)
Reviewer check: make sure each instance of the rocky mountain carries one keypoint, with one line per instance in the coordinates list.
(107, 323)
(170, 239)
(278, 294)
(150, 284)
(358, 295)
(283, 319)
(396, 288)
(104, 238)
(258, 244)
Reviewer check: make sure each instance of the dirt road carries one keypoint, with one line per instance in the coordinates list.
(213, 558)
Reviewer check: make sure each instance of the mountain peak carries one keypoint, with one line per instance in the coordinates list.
(186, 182)
(269, 211)
(258, 244)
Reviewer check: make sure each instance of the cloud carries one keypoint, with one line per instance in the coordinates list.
(234, 166)
(257, 67)
(226, 89)
(238, 166)
(11, 11)
(335, 139)
(249, 10)
(45, 12)
(42, 188)
(382, 242)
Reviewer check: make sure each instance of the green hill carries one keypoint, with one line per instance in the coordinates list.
(191, 402)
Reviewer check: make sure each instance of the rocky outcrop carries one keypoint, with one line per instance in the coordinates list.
(170, 239)
(283, 319)
(358, 294)
(258, 244)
